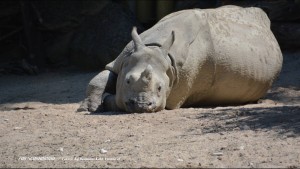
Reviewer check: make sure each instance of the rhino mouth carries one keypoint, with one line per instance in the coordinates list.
(141, 104)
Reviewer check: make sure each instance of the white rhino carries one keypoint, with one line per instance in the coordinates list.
(196, 57)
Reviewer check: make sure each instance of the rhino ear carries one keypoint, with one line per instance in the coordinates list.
(168, 43)
(138, 44)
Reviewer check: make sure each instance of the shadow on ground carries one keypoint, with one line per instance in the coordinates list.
(282, 119)
(55, 87)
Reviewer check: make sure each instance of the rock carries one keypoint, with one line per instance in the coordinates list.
(266, 101)
(180, 160)
(287, 34)
(107, 141)
(245, 127)
(217, 154)
(203, 4)
(281, 10)
(18, 128)
(101, 37)
(61, 149)
(57, 21)
(103, 151)
(251, 165)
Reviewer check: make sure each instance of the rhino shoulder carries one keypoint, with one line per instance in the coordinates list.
(110, 67)
(253, 16)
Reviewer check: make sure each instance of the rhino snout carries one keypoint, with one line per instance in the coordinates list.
(135, 105)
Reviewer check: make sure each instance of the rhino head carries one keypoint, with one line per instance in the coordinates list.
(144, 83)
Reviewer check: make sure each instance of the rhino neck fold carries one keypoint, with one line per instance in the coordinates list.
(153, 44)
(172, 71)
(175, 78)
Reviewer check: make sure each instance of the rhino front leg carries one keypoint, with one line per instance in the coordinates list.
(104, 82)
(109, 102)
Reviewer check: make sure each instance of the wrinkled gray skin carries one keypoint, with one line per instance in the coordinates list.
(222, 56)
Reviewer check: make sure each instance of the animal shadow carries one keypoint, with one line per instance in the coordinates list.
(284, 120)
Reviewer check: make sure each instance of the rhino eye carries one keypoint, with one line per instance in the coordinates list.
(128, 81)
(159, 88)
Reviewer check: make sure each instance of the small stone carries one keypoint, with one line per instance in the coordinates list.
(103, 151)
(181, 160)
(290, 135)
(107, 141)
(61, 149)
(5, 119)
(17, 128)
(242, 147)
(245, 127)
(251, 165)
(217, 154)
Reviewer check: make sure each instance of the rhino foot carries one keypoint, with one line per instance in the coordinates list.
(82, 107)
(90, 105)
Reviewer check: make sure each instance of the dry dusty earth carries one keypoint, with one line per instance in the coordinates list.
(39, 128)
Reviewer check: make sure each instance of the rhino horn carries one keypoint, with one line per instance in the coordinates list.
(168, 43)
(138, 44)
(147, 73)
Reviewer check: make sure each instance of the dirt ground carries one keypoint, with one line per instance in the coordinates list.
(39, 128)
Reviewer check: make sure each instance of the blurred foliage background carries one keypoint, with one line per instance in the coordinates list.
(37, 36)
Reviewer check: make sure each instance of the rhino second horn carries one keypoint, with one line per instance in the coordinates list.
(147, 73)
(138, 44)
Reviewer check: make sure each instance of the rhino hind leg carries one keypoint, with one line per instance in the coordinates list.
(104, 82)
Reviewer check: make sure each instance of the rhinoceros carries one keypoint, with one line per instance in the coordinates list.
(190, 58)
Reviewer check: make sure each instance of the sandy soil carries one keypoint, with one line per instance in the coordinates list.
(39, 128)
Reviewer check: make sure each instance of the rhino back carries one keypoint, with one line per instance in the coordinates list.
(247, 58)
